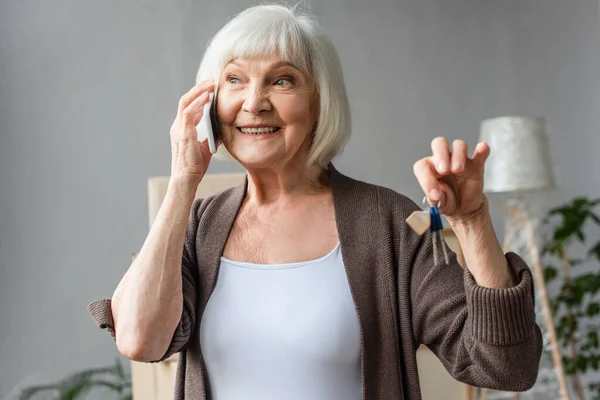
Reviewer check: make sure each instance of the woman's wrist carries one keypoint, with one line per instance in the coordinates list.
(482, 251)
(180, 195)
(184, 185)
(477, 221)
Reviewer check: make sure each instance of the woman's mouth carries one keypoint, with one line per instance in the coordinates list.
(259, 131)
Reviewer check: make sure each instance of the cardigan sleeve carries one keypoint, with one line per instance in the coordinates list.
(101, 309)
(484, 337)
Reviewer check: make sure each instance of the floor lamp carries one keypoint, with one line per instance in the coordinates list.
(520, 162)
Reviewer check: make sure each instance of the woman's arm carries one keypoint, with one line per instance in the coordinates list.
(483, 254)
(152, 312)
(148, 302)
(454, 182)
(479, 322)
(485, 337)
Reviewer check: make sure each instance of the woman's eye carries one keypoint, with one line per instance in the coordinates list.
(283, 82)
(233, 79)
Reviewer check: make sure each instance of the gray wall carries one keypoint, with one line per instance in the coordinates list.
(557, 59)
(557, 56)
(89, 89)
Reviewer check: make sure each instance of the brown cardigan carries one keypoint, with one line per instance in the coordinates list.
(484, 337)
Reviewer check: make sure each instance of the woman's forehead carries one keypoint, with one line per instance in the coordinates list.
(261, 62)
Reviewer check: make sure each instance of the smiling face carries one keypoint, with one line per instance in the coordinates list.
(267, 111)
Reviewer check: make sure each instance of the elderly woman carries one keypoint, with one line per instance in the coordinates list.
(304, 283)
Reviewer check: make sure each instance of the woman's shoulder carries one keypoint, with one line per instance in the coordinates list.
(374, 208)
(387, 200)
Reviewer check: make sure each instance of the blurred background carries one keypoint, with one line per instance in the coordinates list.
(89, 89)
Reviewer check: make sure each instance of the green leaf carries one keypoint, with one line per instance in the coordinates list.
(595, 251)
(575, 262)
(554, 305)
(119, 369)
(593, 309)
(593, 283)
(565, 328)
(595, 218)
(591, 343)
(569, 366)
(555, 249)
(580, 202)
(582, 363)
(595, 387)
(115, 387)
(573, 291)
(558, 210)
(562, 234)
(76, 390)
(86, 373)
(28, 393)
(582, 285)
(550, 273)
(77, 385)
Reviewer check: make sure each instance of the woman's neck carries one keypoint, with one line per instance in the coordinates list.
(287, 183)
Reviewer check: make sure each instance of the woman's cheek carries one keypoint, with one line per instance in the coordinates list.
(227, 110)
(293, 108)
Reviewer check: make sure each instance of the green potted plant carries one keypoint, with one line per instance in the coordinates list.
(576, 305)
(113, 379)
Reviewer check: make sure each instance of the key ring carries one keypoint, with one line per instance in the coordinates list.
(427, 205)
(436, 219)
(436, 229)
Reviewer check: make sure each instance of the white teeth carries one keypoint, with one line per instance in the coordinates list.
(256, 131)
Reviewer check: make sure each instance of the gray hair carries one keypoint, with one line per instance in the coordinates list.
(268, 30)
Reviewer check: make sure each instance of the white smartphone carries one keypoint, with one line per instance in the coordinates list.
(209, 125)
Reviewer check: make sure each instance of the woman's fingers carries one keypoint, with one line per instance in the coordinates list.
(193, 93)
(427, 177)
(449, 178)
(481, 153)
(460, 151)
(193, 113)
(190, 158)
(441, 155)
(189, 117)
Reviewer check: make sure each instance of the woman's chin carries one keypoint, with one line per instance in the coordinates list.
(257, 158)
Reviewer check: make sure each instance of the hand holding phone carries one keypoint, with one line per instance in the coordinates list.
(209, 123)
(190, 159)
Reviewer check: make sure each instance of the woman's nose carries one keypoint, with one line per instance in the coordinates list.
(257, 100)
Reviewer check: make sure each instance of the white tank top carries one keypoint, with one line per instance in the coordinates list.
(282, 331)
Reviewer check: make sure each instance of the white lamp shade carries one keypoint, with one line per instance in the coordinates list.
(519, 158)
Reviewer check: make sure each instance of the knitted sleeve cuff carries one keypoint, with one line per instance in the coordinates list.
(502, 317)
(102, 314)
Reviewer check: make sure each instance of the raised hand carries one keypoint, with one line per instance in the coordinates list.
(453, 180)
(189, 157)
